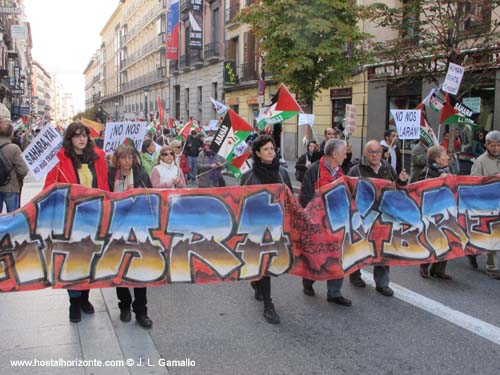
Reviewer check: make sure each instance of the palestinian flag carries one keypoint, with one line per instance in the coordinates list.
(186, 131)
(427, 135)
(238, 165)
(282, 107)
(233, 130)
(451, 116)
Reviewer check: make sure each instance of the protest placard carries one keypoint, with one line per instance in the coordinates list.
(40, 155)
(117, 132)
(350, 118)
(306, 119)
(407, 123)
(453, 78)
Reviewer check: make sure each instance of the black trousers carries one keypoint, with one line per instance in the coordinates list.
(264, 287)
(140, 300)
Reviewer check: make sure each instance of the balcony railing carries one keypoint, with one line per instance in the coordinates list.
(231, 12)
(145, 20)
(184, 5)
(248, 72)
(182, 62)
(212, 51)
(144, 80)
(145, 50)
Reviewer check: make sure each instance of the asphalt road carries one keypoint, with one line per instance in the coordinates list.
(221, 326)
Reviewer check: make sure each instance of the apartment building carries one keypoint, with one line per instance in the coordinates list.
(15, 58)
(93, 81)
(195, 74)
(42, 92)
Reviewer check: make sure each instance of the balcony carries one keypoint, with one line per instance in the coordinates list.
(184, 6)
(182, 62)
(173, 67)
(211, 52)
(248, 72)
(145, 20)
(144, 80)
(231, 13)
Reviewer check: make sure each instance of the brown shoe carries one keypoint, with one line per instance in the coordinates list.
(494, 274)
(443, 276)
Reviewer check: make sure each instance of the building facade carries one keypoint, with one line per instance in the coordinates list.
(42, 92)
(15, 59)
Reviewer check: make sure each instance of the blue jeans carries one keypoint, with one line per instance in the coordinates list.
(334, 287)
(11, 201)
(193, 167)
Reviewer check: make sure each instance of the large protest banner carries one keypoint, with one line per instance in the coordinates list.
(74, 237)
(117, 132)
(40, 154)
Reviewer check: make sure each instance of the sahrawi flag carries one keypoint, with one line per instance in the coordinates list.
(427, 135)
(283, 106)
(450, 115)
(229, 141)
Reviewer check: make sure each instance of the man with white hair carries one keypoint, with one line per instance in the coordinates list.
(488, 164)
(12, 161)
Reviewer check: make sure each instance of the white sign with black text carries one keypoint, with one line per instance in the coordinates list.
(117, 132)
(407, 123)
(40, 155)
(306, 119)
(453, 79)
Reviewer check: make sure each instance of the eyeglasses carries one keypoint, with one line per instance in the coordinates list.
(373, 152)
(167, 154)
(80, 135)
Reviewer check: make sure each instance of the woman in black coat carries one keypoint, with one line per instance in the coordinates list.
(437, 166)
(127, 173)
(266, 170)
(305, 161)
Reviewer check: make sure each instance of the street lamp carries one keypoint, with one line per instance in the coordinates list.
(116, 111)
(146, 104)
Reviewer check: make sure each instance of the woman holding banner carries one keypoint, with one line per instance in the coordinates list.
(127, 173)
(266, 170)
(80, 162)
(166, 173)
(437, 166)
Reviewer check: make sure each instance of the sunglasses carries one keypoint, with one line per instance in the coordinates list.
(167, 154)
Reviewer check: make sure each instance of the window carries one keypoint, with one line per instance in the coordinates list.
(476, 17)
(340, 98)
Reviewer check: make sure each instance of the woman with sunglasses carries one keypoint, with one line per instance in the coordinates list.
(80, 162)
(166, 173)
(127, 173)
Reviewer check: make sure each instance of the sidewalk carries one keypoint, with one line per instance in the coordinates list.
(35, 326)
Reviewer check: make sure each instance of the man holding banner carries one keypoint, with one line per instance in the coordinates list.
(373, 166)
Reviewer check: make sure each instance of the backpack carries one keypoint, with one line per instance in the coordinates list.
(5, 167)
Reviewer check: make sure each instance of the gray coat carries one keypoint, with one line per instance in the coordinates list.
(12, 153)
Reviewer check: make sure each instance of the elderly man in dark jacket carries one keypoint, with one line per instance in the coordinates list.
(373, 166)
(322, 172)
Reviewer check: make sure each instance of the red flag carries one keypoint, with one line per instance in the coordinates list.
(285, 101)
(170, 122)
(93, 133)
(240, 160)
(160, 110)
(447, 110)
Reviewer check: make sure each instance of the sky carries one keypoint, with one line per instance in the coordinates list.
(65, 35)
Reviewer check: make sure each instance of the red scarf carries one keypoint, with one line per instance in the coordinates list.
(325, 175)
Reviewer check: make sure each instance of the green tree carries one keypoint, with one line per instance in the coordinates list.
(429, 34)
(309, 44)
(90, 114)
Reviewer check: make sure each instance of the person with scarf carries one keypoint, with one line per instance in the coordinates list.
(210, 167)
(167, 174)
(323, 172)
(149, 156)
(437, 166)
(125, 174)
(266, 170)
(80, 162)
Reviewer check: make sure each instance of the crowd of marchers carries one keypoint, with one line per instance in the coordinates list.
(166, 162)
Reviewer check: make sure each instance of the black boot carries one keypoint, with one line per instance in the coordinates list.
(258, 292)
(85, 305)
(75, 314)
(270, 314)
(143, 320)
